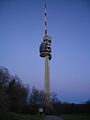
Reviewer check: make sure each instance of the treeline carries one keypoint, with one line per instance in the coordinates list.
(19, 98)
(13, 94)
(67, 108)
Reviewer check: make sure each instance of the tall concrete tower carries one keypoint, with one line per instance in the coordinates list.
(45, 51)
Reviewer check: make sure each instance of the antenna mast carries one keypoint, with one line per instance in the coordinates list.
(45, 21)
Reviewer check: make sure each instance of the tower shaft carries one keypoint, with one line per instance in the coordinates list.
(47, 79)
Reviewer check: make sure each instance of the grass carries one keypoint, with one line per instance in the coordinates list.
(76, 117)
(14, 116)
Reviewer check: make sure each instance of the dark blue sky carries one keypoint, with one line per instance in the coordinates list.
(22, 30)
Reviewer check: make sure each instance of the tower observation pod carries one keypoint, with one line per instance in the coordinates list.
(45, 47)
(45, 52)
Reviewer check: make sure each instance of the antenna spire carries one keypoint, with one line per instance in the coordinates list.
(45, 19)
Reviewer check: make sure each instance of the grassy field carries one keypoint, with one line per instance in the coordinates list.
(76, 117)
(13, 116)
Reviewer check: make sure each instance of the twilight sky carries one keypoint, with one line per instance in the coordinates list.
(22, 30)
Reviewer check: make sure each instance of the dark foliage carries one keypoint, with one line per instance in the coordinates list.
(36, 97)
(17, 95)
(13, 94)
(72, 108)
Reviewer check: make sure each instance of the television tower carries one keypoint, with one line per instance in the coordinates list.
(45, 51)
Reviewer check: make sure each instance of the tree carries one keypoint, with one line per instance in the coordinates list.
(54, 98)
(17, 93)
(41, 97)
(88, 101)
(34, 96)
(37, 97)
(5, 77)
